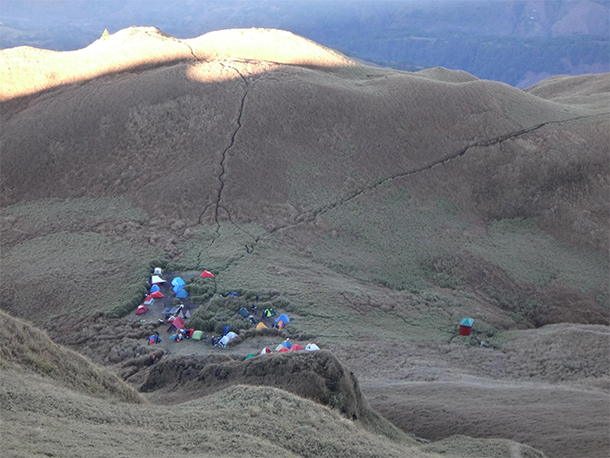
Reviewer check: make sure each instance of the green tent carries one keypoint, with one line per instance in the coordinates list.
(197, 335)
(251, 355)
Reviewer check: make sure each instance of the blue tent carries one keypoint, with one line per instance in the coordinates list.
(286, 344)
(283, 317)
(177, 283)
(181, 294)
(225, 329)
(243, 312)
(233, 294)
(155, 288)
(467, 322)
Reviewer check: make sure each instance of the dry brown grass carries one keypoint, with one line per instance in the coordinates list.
(28, 350)
(220, 152)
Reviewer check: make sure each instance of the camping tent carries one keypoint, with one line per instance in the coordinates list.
(269, 313)
(197, 335)
(149, 300)
(157, 294)
(154, 288)
(283, 317)
(243, 312)
(177, 324)
(279, 347)
(466, 326)
(251, 355)
(158, 271)
(154, 339)
(177, 284)
(296, 347)
(265, 350)
(283, 350)
(141, 309)
(207, 274)
(225, 329)
(228, 336)
(233, 294)
(261, 325)
(155, 279)
(286, 344)
(182, 294)
(312, 347)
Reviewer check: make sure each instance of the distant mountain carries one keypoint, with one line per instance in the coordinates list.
(516, 42)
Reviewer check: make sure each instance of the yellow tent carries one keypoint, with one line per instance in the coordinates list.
(261, 325)
(105, 34)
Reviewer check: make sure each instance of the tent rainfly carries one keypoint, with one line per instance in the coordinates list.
(178, 283)
(155, 279)
(207, 274)
(283, 317)
(197, 335)
(283, 350)
(243, 312)
(176, 325)
(466, 326)
(228, 336)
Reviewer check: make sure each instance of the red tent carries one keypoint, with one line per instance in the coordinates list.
(149, 300)
(157, 295)
(283, 350)
(177, 324)
(207, 274)
(141, 309)
(296, 347)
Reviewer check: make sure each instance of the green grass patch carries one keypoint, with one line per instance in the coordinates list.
(56, 214)
(531, 256)
(73, 273)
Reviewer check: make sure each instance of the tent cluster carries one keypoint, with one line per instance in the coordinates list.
(286, 347)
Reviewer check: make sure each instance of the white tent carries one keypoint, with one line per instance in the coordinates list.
(156, 279)
(265, 350)
(312, 347)
(228, 336)
(158, 271)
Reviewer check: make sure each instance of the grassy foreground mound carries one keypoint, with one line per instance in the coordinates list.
(28, 350)
(318, 376)
(58, 410)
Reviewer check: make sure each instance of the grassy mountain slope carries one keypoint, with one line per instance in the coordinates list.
(380, 206)
(27, 350)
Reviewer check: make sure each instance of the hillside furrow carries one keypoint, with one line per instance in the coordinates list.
(446, 160)
(223, 169)
(313, 215)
